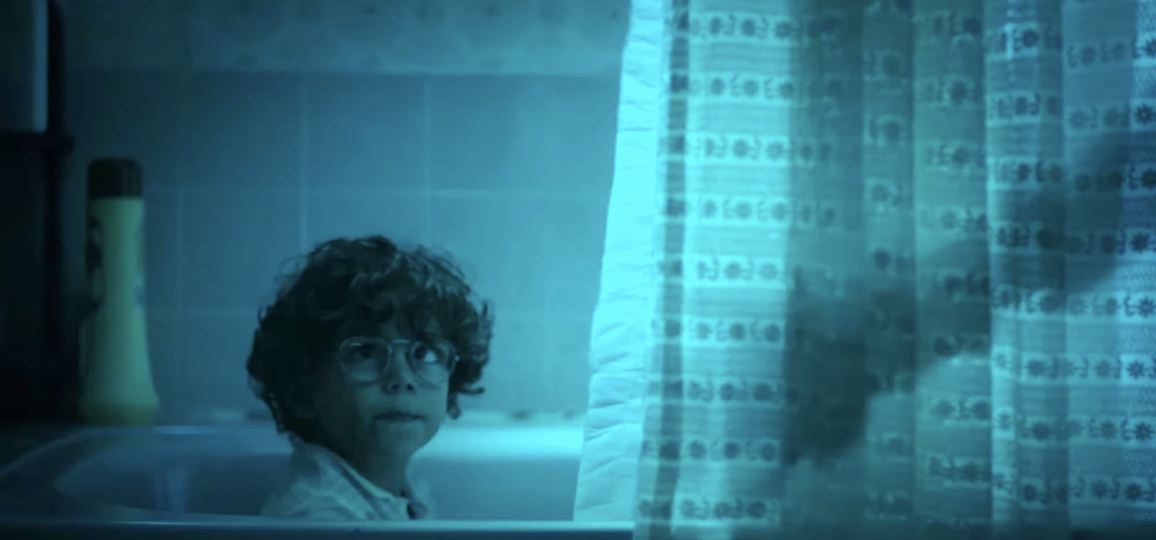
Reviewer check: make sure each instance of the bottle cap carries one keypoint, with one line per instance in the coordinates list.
(114, 177)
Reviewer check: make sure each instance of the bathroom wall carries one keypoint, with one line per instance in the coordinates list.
(265, 126)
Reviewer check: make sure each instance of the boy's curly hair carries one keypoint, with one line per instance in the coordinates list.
(345, 285)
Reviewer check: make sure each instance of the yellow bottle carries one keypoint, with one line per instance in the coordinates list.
(116, 385)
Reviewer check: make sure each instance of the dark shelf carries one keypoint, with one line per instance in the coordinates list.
(31, 141)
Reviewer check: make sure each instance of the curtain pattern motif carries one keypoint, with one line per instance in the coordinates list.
(908, 270)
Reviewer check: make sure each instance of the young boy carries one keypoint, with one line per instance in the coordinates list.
(360, 357)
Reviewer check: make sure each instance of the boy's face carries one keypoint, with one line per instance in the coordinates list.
(389, 418)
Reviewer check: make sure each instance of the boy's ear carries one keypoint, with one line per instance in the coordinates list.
(300, 402)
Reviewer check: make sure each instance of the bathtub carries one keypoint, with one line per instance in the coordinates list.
(492, 481)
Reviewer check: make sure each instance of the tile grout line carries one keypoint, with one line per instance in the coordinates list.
(551, 373)
(303, 168)
(427, 158)
(182, 184)
(177, 370)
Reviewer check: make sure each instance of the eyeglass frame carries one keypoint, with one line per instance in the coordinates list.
(385, 362)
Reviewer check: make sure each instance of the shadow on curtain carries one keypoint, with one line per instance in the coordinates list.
(916, 284)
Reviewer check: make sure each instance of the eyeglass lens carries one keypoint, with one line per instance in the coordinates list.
(369, 359)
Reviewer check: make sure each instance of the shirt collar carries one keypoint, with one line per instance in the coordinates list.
(317, 451)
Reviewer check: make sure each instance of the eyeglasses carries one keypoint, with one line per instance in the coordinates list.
(366, 359)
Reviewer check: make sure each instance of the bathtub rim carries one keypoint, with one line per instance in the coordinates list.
(44, 462)
(80, 433)
(289, 530)
(267, 524)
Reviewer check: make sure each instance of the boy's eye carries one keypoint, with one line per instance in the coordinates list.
(364, 350)
(424, 354)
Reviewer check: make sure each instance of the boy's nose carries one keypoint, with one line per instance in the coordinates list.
(397, 376)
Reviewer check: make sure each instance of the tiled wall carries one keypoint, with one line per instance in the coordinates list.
(243, 170)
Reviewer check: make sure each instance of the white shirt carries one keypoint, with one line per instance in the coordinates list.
(323, 487)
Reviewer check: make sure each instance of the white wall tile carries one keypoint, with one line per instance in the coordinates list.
(366, 131)
(243, 130)
(400, 216)
(235, 243)
(256, 168)
(214, 348)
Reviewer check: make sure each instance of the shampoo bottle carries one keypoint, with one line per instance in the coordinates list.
(116, 379)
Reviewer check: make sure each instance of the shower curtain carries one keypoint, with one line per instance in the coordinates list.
(892, 273)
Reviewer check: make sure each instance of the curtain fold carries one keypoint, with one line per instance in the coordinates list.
(906, 274)
(621, 341)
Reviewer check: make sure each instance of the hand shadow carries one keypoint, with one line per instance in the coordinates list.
(829, 380)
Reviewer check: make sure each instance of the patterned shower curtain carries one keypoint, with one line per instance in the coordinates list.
(908, 270)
